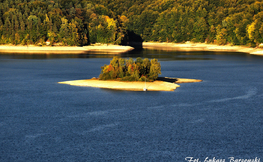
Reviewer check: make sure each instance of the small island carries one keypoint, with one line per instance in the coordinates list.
(130, 75)
(129, 70)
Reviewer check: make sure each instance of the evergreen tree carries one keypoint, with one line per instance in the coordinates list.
(7, 28)
(64, 31)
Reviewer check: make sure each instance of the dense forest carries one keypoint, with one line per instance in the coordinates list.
(130, 70)
(80, 22)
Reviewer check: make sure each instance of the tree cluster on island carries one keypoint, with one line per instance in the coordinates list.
(80, 22)
(130, 70)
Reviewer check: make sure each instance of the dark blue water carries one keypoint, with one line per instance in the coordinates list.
(41, 120)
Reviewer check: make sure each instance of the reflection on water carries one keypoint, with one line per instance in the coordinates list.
(164, 55)
(37, 56)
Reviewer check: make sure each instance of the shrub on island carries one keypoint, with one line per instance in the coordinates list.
(130, 70)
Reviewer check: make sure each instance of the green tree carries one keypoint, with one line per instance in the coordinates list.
(221, 35)
(155, 69)
(146, 66)
(200, 30)
(64, 31)
(73, 30)
(7, 28)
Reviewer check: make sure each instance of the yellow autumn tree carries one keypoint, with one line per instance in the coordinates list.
(251, 31)
(111, 28)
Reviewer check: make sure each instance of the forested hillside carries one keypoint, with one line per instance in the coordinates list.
(80, 22)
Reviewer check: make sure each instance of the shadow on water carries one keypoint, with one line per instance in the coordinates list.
(166, 79)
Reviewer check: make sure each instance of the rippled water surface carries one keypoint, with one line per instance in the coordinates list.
(42, 120)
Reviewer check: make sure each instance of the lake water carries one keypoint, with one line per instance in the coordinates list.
(42, 120)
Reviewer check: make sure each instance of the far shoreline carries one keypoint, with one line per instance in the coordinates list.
(120, 49)
(191, 47)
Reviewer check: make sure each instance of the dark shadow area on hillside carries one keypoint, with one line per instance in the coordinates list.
(132, 39)
(166, 79)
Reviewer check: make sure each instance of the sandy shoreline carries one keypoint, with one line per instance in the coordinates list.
(200, 47)
(117, 49)
(110, 49)
(37, 49)
(129, 86)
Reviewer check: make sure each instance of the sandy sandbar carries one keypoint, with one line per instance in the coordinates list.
(185, 80)
(129, 86)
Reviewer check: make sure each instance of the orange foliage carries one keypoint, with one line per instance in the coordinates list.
(79, 13)
(110, 68)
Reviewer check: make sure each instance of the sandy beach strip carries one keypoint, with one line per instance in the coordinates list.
(108, 49)
(200, 47)
(102, 49)
(43, 49)
(119, 85)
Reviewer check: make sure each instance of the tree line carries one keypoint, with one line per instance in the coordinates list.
(130, 70)
(80, 22)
